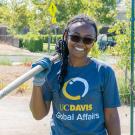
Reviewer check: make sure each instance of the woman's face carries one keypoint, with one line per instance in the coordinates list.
(80, 39)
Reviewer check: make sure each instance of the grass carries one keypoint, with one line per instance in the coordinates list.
(5, 61)
(27, 61)
(45, 47)
(124, 90)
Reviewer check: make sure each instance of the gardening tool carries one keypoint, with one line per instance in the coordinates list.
(20, 80)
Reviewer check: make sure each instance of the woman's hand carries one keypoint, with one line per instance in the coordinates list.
(39, 78)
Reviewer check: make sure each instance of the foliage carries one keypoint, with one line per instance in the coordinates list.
(122, 49)
(2, 2)
(33, 42)
(15, 15)
(22, 14)
(34, 14)
(103, 11)
(122, 29)
(40, 17)
(124, 89)
(33, 45)
(94, 51)
(67, 8)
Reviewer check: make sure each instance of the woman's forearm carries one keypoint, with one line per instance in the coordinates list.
(112, 123)
(38, 107)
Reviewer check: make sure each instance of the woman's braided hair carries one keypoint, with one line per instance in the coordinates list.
(62, 48)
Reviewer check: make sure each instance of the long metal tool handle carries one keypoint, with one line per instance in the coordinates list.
(20, 80)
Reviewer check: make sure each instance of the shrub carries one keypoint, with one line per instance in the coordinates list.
(124, 91)
(21, 43)
(31, 41)
(45, 37)
(34, 45)
(37, 45)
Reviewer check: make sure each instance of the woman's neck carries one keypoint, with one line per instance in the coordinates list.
(75, 62)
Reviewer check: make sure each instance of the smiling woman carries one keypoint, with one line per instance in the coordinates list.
(83, 90)
(80, 42)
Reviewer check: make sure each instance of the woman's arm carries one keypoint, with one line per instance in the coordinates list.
(38, 106)
(112, 121)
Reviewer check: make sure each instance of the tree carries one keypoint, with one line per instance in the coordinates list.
(122, 30)
(15, 15)
(34, 14)
(103, 11)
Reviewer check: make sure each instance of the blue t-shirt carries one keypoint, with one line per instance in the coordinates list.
(78, 109)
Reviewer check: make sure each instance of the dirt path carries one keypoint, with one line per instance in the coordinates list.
(16, 118)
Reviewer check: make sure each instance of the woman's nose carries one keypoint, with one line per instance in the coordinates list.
(80, 43)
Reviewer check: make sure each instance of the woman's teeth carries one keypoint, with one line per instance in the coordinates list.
(79, 49)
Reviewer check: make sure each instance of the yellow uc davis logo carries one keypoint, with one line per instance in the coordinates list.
(71, 82)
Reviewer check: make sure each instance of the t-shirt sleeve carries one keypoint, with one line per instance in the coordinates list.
(110, 93)
(47, 93)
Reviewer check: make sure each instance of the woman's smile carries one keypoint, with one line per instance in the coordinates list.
(79, 49)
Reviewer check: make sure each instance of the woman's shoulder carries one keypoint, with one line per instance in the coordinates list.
(102, 65)
(55, 67)
(54, 70)
(56, 64)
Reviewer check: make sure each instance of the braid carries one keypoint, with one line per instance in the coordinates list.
(62, 47)
(62, 50)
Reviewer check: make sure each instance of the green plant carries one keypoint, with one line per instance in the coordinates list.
(95, 51)
(33, 42)
(34, 45)
(124, 90)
